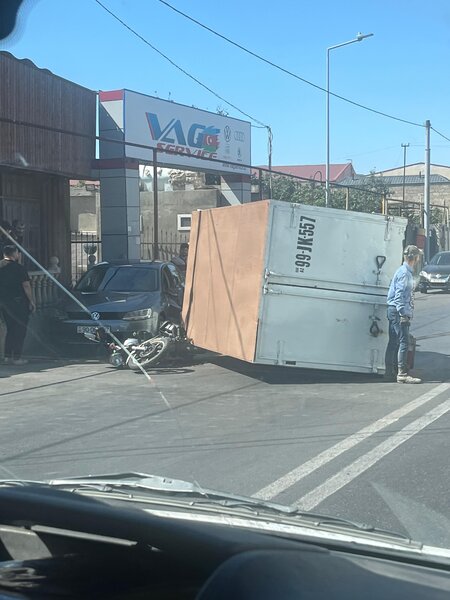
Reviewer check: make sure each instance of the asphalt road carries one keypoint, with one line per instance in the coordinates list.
(347, 445)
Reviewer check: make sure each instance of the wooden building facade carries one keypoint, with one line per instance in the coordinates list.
(47, 137)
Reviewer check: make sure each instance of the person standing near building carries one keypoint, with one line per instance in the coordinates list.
(180, 261)
(16, 301)
(400, 308)
(4, 241)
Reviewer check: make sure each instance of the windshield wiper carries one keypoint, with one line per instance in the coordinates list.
(144, 487)
(261, 508)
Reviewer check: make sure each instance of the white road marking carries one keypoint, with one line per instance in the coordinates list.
(291, 478)
(8, 472)
(364, 462)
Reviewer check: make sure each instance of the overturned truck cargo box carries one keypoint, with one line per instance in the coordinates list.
(290, 284)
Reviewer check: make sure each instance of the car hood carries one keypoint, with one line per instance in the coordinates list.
(442, 269)
(119, 302)
(178, 499)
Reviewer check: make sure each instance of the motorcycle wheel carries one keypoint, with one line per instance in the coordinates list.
(157, 347)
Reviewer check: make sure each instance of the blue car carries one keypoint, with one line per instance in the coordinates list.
(124, 297)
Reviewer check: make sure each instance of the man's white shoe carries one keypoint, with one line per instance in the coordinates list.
(405, 378)
(19, 362)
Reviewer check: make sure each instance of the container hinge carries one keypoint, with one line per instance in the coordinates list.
(268, 274)
(374, 360)
(268, 290)
(292, 222)
(387, 231)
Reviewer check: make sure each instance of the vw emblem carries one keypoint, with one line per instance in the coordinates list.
(95, 316)
(227, 132)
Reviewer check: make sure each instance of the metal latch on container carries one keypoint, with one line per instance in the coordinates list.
(375, 330)
(380, 260)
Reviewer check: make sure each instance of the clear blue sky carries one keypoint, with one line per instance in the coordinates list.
(402, 70)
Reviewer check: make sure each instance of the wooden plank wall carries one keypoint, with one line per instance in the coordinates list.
(51, 193)
(36, 96)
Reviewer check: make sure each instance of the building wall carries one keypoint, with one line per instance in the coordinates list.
(41, 202)
(37, 97)
(439, 193)
(418, 169)
(36, 162)
(172, 204)
(84, 210)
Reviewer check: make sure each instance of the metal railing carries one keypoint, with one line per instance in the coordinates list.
(45, 291)
(86, 251)
(168, 245)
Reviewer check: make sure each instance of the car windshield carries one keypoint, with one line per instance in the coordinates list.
(119, 279)
(442, 259)
(210, 282)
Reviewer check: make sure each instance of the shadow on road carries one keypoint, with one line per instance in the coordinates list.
(291, 375)
(41, 366)
(432, 366)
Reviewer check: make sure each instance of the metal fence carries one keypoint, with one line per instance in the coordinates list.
(168, 245)
(86, 250)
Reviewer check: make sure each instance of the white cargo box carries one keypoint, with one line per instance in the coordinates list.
(290, 284)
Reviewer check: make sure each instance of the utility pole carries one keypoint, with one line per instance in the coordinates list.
(155, 206)
(269, 150)
(426, 192)
(359, 38)
(404, 146)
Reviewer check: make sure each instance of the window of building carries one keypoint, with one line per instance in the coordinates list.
(184, 222)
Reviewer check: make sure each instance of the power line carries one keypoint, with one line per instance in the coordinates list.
(93, 138)
(441, 134)
(286, 71)
(134, 32)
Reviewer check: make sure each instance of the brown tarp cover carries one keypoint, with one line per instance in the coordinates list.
(224, 278)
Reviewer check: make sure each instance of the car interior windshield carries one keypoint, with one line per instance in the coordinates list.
(119, 279)
(441, 259)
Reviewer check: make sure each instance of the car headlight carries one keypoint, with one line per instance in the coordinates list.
(137, 315)
(424, 274)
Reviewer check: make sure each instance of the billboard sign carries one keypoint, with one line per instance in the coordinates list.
(187, 137)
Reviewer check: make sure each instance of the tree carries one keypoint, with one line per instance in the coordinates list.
(366, 197)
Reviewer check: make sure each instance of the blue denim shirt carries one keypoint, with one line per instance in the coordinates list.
(401, 289)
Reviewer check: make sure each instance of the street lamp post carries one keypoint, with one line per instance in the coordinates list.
(404, 146)
(358, 38)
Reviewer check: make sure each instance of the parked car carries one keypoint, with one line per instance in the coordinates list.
(124, 297)
(436, 274)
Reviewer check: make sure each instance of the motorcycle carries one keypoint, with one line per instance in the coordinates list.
(150, 352)
(118, 355)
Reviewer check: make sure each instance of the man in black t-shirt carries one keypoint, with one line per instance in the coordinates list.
(16, 303)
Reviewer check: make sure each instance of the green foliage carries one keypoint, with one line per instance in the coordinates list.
(367, 197)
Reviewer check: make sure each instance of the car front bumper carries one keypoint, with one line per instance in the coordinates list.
(65, 331)
(434, 284)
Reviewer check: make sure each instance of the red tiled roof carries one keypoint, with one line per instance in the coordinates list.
(337, 171)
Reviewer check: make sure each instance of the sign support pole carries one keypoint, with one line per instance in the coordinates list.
(155, 206)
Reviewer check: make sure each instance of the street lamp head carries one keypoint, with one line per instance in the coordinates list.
(361, 36)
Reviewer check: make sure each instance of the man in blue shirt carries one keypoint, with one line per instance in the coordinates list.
(400, 303)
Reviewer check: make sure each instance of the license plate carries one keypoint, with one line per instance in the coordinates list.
(90, 329)
(437, 281)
